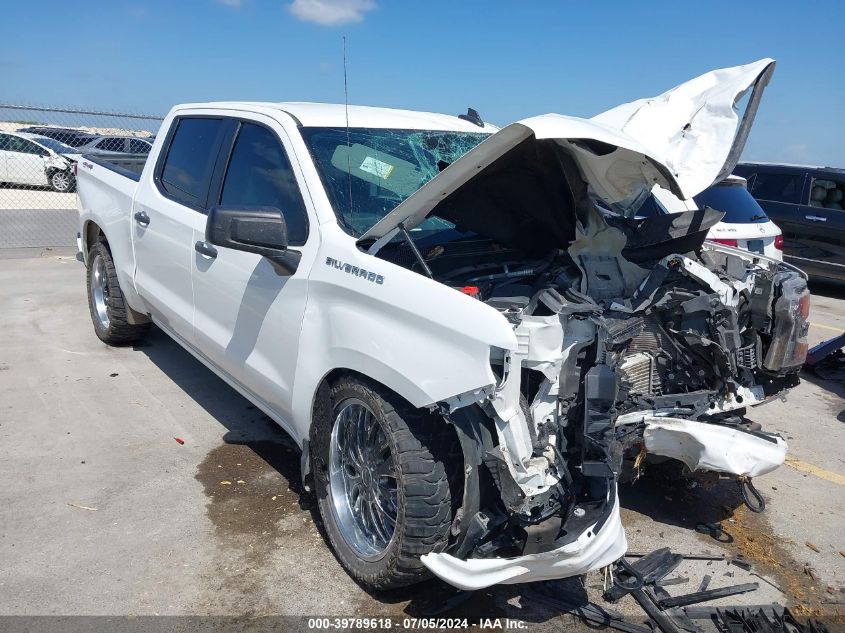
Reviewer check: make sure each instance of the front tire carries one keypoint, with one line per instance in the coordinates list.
(381, 485)
(62, 181)
(108, 308)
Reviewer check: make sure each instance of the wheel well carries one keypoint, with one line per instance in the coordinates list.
(322, 404)
(321, 416)
(93, 234)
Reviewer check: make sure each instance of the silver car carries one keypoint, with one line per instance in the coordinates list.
(116, 145)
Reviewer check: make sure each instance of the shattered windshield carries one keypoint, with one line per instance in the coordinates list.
(368, 172)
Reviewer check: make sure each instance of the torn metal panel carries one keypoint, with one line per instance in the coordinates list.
(695, 129)
(703, 446)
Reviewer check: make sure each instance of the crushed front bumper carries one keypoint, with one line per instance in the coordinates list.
(588, 552)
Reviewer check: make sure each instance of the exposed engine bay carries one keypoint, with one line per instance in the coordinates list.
(626, 349)
(634, 338)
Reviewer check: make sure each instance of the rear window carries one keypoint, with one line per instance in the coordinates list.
(190, 159)
(138, 147)
(827, 193)
(734, 201)
(111, 145)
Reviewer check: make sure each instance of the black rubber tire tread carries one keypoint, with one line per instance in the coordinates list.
(425, 508)
(119, 331)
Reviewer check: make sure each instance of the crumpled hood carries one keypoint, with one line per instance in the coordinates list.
(533, 159)
(694, 128)
(528, 184)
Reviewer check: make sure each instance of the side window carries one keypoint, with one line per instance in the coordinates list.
(778, 187)
(827, 193)
(260, 174)
(31, 148)
(190, 158)
(138, 147)
(23, 146)
(5, 141)
(111, 145)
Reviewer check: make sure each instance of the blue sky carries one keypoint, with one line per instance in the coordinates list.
(508, 60)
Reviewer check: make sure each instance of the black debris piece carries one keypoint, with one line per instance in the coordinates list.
(768, 618)
(660, 618)
(588, 611)
(652, 567)
(710, 594)
(739, 561)
(827, 359)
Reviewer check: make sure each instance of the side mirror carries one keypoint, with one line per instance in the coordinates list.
(260, 230)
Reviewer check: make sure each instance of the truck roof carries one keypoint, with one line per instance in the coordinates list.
(334, 115)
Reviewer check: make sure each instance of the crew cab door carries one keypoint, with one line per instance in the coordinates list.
(170, 205)
(248, 310)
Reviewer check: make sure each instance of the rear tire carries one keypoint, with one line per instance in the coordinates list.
(406, 484)
(108, 308)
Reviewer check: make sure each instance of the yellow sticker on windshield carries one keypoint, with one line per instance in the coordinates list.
(376, 167)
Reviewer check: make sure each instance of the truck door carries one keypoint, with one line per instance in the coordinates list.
(169, 206)
(247, 311)
(824, 225)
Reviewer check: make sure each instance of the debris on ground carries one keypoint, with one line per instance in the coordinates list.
(812, 546)
(827, 359)
(644, 580)
(179, 440)
(76, 505)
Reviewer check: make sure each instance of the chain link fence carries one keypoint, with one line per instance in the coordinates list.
(38, 149)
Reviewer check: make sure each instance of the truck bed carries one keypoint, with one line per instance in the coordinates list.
(128, 165)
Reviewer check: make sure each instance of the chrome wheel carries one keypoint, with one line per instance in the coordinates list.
(60, 180)
(362, 480)
(100, 291)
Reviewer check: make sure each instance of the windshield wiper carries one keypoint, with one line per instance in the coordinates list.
(759, 216)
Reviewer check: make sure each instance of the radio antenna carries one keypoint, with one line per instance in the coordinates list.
(348, 144)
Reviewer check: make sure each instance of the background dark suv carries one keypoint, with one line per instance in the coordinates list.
(807, 203)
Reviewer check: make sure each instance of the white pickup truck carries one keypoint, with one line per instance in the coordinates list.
(467, 347)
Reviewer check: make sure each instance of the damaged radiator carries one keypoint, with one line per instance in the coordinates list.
(639, 367)
(639, 374)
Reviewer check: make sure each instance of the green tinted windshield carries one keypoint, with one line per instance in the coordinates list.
(369, 172)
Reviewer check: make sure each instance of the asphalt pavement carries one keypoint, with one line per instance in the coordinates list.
(104, 512)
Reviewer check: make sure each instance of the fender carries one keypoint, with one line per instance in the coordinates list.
(425, 341)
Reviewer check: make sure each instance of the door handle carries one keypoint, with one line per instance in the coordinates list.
(204, 248)
(142, 218)
(815, 218)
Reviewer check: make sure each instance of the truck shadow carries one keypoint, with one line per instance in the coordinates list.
(259, 450)
(671, 500)
(245, 424)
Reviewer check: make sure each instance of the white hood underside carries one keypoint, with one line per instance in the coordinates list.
(683, 140)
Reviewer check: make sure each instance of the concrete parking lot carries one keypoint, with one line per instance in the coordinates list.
(102, 511)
